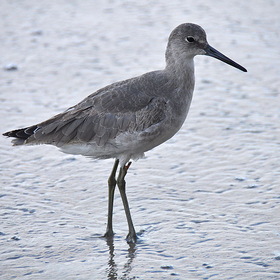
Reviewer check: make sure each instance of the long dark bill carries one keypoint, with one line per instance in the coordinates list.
(216, 54)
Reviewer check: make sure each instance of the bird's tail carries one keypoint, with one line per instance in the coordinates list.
(21, 134)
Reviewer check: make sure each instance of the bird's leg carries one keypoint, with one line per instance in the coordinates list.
(131, 237)
(111, 189)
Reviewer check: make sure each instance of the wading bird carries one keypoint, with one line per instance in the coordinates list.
(128, 118)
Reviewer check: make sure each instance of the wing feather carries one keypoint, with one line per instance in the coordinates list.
(128, 106)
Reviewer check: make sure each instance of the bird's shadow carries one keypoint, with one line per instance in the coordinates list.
(112, 270)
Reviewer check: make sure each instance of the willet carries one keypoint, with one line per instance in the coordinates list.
(128, 118)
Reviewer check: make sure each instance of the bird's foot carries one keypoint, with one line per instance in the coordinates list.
(109, 234)
(131, 238)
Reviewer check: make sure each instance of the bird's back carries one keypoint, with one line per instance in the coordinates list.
(114, 116)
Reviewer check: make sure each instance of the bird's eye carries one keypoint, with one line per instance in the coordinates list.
(190, 39)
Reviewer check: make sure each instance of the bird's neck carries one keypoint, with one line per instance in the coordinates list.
(182, 72)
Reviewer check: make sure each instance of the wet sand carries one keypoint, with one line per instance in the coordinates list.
(206, 202)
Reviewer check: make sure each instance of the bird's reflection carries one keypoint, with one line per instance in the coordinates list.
(112, 266)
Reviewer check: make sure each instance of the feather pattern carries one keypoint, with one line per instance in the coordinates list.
(128, 106)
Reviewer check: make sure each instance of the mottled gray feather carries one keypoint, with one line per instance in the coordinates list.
(128, 106)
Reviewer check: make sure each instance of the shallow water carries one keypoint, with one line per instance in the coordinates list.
(206, 202)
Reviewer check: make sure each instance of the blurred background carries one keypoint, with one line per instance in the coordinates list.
(206, 202)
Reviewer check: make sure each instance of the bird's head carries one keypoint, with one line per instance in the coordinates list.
(190, 40)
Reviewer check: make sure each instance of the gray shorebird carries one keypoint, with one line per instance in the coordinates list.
(128, 118)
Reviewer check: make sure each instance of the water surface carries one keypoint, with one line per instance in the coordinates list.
(206, 202)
